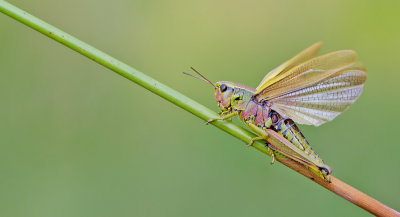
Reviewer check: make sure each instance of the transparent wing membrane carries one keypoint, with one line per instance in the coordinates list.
(301, 57)
(318, 104)
(308, 73)
(317, 90)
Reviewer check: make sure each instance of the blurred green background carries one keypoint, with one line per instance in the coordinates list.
(79, 140)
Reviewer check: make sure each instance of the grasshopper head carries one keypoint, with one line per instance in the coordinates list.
(223, 90)
(223, 93)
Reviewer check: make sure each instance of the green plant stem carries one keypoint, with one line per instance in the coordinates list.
(349, 193)
(126, 71)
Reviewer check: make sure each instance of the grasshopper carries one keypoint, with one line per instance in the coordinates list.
(305, 90)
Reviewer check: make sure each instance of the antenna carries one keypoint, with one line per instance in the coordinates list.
(202, 77)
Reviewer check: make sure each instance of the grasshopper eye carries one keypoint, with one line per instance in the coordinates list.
(223, 87)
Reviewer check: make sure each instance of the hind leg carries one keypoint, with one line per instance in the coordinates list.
(272, 155)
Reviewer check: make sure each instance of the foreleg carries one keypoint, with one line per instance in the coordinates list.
(224, 116)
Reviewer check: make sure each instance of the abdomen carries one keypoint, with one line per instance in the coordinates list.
(266, 118)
